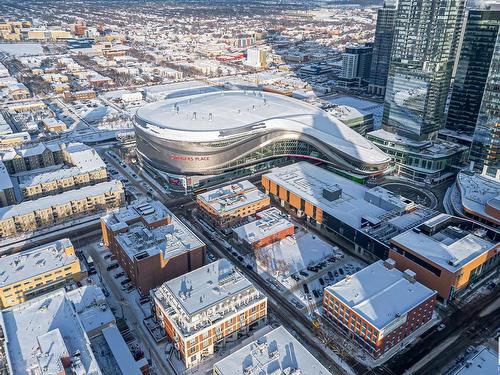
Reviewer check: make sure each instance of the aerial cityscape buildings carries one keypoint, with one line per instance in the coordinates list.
(249, 187)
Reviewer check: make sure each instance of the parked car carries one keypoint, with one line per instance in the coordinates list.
(107, 256)
(112, 266)
(330, 274)
(126, 281)
(321, 281)
(306, 288)
(304, 273)
(341, 271)
(441, 327)
(118, 275)
(315, 293)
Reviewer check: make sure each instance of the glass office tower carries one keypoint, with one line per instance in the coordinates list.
(382, 48)
(478, 43)
(423, 52)
(486, 141)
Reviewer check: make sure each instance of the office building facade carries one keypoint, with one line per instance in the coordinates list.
(476, 52)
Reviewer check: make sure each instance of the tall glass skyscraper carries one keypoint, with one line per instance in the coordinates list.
(485, 150)
(478, 43)
(382, 48)
(423, 52)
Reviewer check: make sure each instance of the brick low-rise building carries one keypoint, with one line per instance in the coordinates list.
(447, 253)
(271, 226)
(151, 244)
(379, 306)
(203, 310)
(228, 206)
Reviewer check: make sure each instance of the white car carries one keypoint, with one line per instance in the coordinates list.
(441, 327)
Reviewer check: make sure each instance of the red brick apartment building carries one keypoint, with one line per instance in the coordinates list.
(271, 226)
(379, 306)
(151, 244)
(207, 308)
(227, 206)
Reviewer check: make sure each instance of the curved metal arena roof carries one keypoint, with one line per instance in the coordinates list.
(223, 115)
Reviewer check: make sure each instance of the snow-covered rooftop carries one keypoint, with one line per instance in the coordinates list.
(170, 240)
(223, 115)
(25, 323)
(485, 361)
(354, 202)
(80, 159)
(36, 261)
(121, 352)
(431, 149)
(207, 286)
(379, 294)
(447, 246)
(271, 222)
(5, 181)
(63, 198)
(232, 197)
(477, 191)
(90, 304)
(275, 352)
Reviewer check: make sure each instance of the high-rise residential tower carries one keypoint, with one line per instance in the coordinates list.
(423, 55)
(422, 58)
(382, 48)
(486, 140)
(478, 43)
(356, 62)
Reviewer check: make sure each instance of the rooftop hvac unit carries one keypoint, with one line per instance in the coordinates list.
(332, 193)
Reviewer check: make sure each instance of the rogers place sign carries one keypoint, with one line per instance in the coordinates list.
(188, 158)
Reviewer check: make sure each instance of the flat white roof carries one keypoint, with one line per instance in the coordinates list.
(229, 114)
(120, 351)
(5, 181)
(36, 261)
(82, 159)
(275, 352)
(271, 221)
(231, 197)
(476, 191)
(308, 181)
(90, 305)
(63, 198)
(451, 247)
(484, 362)
(24, 323)
(380, 295)
(207, 286)
(170, 240)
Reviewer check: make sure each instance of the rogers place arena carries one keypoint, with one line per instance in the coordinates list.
(198, 140)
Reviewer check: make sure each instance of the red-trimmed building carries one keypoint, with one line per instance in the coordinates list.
(379, 306)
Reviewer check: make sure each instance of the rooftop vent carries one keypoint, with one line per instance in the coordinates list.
(410, 276)
(332, 193)
(390, 263)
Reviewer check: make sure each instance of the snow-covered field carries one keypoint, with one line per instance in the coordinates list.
(21, 49)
